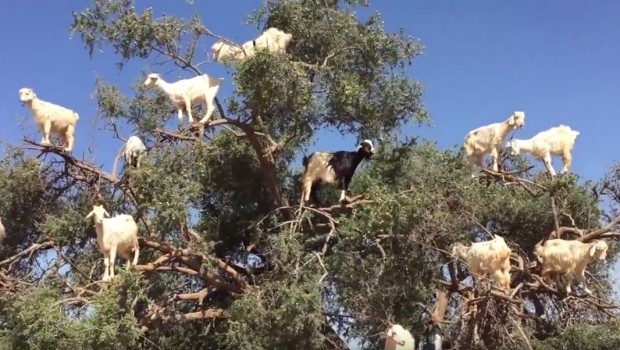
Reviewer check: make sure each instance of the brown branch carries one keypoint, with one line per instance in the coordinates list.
(596, 234)
(184, 255)
(556, 221)
(198, 296)
(28, 251)
(176, 136)
(156, 320)
(69, 159)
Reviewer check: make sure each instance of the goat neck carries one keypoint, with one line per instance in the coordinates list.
(164, 85)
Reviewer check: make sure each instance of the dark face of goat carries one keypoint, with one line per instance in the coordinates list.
(366, 149)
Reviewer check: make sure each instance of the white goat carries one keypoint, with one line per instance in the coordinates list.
(488, 139)
(2, 231)
(118, 234)
(133, 151)
(398, 338)
(570, 258)
(186, 92)
(51, 118)
(223, 50)
(557, 141)
(492, 257)
(274, 40)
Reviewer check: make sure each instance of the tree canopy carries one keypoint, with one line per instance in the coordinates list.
(228, 257)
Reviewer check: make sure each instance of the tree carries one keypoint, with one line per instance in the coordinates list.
(229, 260)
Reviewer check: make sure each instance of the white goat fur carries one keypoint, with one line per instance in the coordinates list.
(51, 117)
(398, 338)
(274, 40)
(2, 231)
(187, 92)
(557, 141)
(134, 151)
(492, 257)
(488, 139)
(118, 234)
(570, 258)
(223, 50)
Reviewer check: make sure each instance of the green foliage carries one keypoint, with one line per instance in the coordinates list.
(586, 337)
(228, 260)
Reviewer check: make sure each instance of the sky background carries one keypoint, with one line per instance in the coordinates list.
(555, 60)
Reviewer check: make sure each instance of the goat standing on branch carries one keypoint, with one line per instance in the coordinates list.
(50, 118)
(398, 338)
(332, 167)
(569, 257)
(225, 51)
(488, 139)
(115, 235)
(133, 150)
(274, 40)
(186, 92)
(557, 141)
(492, 257)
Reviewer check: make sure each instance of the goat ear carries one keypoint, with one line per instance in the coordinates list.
(106, 212)
(89, 214)
(511, 120)
(592, 249)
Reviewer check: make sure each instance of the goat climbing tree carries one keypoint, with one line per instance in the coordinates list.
(228, 258)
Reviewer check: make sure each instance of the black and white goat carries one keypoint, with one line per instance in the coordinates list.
(332, 168)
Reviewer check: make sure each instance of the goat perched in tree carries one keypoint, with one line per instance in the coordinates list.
(133, 151)
(492, 257)
(488, 139)
(274, 40)
(186, 92)
(398, 338)
(118, 234)
(569, 257)
(223, 50)
(51, 118)
(557, 141)
(331, 168)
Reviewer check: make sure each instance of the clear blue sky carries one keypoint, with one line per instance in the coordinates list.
(556, 60)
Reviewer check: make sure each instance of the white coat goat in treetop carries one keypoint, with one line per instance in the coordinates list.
(185, 93)
(133, 151)
(118, 234)
(332, 168)
(488, 139)
(51, 118)
(488, 257)
(557, 141)
(570, 258)
(274, 40)
(226, 51)
(398, 338)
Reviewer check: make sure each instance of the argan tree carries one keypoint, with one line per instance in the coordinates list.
(230, 260)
